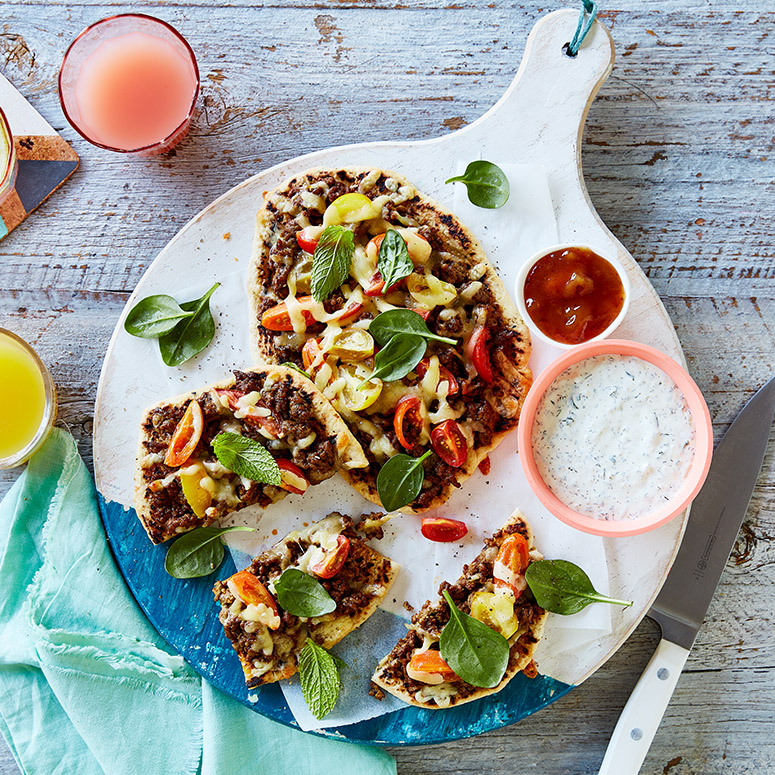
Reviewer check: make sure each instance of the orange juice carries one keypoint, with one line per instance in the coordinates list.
(134, 90)
(23, 400)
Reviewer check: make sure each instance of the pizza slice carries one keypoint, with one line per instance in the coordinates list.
(181, 484)
(464, 394)
(267, 638)
(493, 591)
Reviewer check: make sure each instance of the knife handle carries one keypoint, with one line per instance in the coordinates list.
(643, 712)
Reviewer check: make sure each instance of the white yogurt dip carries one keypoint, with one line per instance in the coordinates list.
(613, 437)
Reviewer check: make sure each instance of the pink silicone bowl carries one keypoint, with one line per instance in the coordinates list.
(703, 440)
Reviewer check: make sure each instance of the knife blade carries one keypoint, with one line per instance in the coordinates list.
(680, 607)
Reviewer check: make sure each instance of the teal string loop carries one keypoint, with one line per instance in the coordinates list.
(586, 20)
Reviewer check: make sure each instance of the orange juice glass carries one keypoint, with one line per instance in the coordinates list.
(28, 401)
(129, 84)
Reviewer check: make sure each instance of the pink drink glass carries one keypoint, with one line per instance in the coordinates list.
(103, 48)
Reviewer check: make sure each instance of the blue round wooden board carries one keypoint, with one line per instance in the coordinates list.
(185, 615)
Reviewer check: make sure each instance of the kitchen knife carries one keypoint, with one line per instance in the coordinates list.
(716, 516)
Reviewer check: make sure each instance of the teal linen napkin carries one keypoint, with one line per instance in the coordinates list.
(87, 686)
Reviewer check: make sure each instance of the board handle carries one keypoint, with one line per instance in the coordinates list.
(557, 88)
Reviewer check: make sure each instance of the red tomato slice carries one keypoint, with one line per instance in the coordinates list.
(278, 319)
(476, 350)
(252, 592)
(334, 561)
(423, 313)
(511, 563)
(408, 414)
(186, 436)
(442, 529)
(310, 352)
(449, 443)
(431, 662)
(445, 375)
(292, 478)
(306, 243)
(349, 312)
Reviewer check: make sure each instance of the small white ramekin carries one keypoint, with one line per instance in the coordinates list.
(519, 294)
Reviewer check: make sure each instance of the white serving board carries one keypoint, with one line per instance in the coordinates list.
(539, 120)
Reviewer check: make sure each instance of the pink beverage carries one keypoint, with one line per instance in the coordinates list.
(129, 83)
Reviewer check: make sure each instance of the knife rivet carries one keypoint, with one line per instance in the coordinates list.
(663, 674)
(636, 734)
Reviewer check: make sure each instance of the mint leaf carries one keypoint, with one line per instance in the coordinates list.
(246, 457)
(331, 261)
(319, 679)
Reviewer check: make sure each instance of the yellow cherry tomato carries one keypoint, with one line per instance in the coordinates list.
(351, 208)
(429, 292)
(352, 344)
(193, 481)
(353, 399)
(496, 610)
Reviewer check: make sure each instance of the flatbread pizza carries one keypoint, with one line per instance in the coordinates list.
(463, 395)
(180, 483)
(267, 638)
(492, 590)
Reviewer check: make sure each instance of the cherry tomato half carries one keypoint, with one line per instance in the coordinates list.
(186, 436)
(332, 564)
(292, 478)
(306, 241)
(310, 352)
(430, 662)
(251, 591)
(443, 530)
(423, 313)
(477, 351)
(449, 443)
(277, 318)
(511, 563)
(348, 312)
(407, 421)
(445, 375)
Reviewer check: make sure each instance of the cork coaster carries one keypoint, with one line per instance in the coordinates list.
(46, 160)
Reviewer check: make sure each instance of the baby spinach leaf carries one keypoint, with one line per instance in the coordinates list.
(478, 654)
(319, 678)
(331, 261)
(301, 595)
(563, 588)
(246, 457)
(487, 184)
(393, 260)
(400, 480)
(397, 358)
(198, 552)
(401, 321)
(192, 334)
(154, 316)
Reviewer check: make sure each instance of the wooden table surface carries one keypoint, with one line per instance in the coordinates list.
(678, 157)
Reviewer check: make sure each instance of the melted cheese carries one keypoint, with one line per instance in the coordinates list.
(441, 694)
